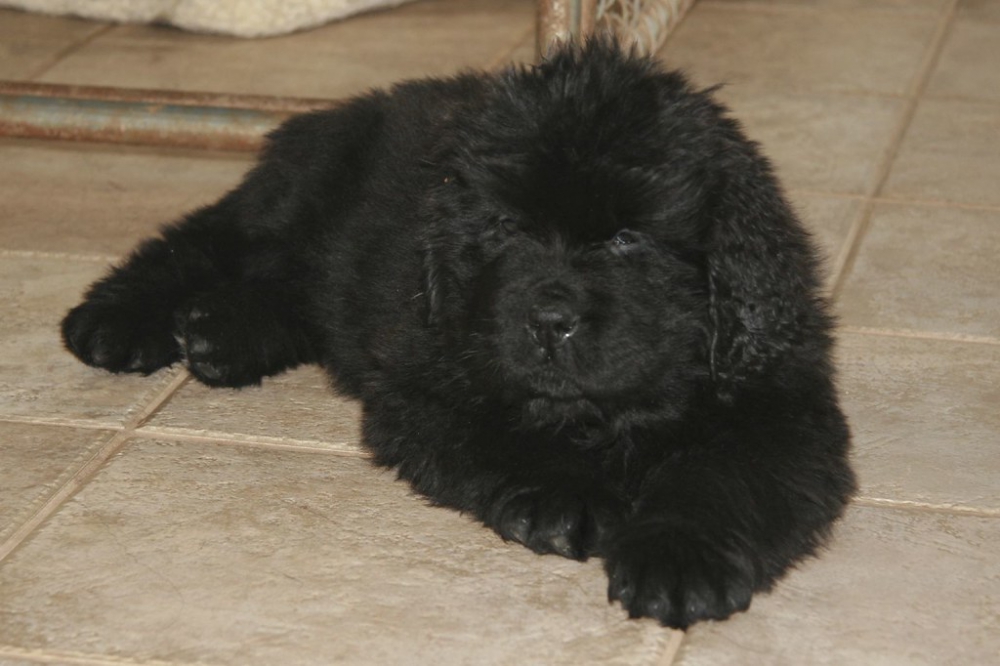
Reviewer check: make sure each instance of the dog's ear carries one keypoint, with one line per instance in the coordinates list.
(439, 205)
(765, 305)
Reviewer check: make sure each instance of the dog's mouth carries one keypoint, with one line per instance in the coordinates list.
(556, 399)
(550, 384)
(546, 411)
(562, 393)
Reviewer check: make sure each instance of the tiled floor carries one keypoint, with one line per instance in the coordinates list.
(152, 521)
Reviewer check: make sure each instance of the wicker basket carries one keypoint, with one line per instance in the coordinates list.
(643, 23)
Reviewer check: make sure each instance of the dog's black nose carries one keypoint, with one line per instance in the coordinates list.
(550, 326)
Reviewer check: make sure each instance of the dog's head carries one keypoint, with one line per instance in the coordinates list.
(605, 239)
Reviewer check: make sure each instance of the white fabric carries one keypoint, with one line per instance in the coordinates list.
(244, 18)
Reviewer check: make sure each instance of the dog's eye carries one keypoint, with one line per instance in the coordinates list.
(507, 225)
(624, 237)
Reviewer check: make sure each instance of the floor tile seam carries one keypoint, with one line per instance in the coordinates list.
(918, 86)
(69, 50)
(60, 422)
(783, 89)
(71, 256)
(936, 203)
(150, 408)
(323, 447)
(73, 658)
(926, 507)
(967, 99)
(670, 654)
(910, 334)
(76, 481)
(859, 228)
(841, 265)
(25, 510)
(79, 475)
(892, 200)
(793, 192)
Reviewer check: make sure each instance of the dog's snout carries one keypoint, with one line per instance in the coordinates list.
(550, 326)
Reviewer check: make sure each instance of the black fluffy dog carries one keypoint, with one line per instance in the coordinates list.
(571, 298)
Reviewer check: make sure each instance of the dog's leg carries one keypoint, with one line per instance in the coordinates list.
(223, 287)
(728, 515)
(205, 291)
(126, 322)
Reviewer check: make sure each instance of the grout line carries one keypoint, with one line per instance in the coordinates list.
(954, 97)
(59, 422)
(70, 50)
(894, 201)
(845, 260)
(96, 440)
(852, 196)
(85, 473)
(81, 659)
(673, 648)
(921, 335)
(841, 265)
(926, 507)
(158, 401)
(257, 441)
(79, 479)
(937, 203)
(42, 254)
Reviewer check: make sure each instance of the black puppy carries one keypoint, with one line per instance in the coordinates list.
(571, 298)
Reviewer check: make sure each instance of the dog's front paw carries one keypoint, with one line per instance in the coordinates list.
(120, 338)
(573, 523)
(677, 576)
(229, 339)
(219, 347)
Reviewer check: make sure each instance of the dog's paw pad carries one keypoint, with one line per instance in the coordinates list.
(207, 371)
(195, 345)
(196, 313)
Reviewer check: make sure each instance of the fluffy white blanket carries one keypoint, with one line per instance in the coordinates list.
(244, 18)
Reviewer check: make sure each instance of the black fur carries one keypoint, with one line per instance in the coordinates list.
(571, 298)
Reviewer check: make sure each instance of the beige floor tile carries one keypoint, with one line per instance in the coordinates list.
(823, 143)
(986, 10)
(949, 153)
(101, 199)
(31, 42)
(829, 219)
(523, 53)
(801, 51)
(236, 555)
(436, 37)
(927, 268)
(924, 418)
(968, 64)
(39, 380)
(34, 462)
(298, 406)
(898, 588)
